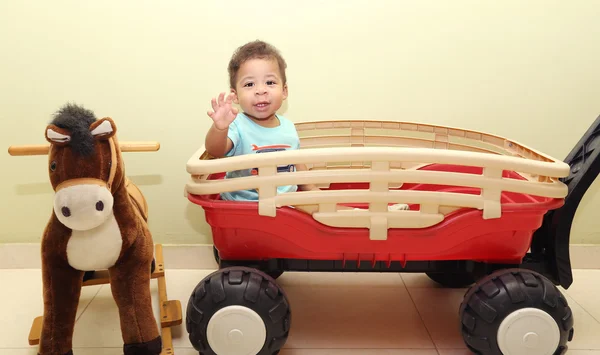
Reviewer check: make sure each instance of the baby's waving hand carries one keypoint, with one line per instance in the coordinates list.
(223, 111)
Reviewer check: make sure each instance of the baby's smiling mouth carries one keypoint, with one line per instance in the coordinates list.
(261, 104)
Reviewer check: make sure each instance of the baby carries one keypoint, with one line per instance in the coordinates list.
(258, 85)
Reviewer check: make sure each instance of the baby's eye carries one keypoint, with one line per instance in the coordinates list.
(271, 82)
(248, 85)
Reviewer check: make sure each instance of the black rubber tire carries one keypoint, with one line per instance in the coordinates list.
(452, 280)
(239, 286)
(273, 273)
(216, 255)
(494, 297)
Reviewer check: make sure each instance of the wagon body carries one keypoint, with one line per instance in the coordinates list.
(241, 233)
(473, 197)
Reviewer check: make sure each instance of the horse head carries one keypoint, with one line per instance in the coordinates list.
(84, 164)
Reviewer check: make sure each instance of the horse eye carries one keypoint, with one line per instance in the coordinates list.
(53, 166)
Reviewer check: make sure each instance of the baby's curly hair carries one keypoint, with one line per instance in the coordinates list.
(254, 50)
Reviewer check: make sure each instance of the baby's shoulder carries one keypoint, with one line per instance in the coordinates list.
(283, 119)
(285, 122)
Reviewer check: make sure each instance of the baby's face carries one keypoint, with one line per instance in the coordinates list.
(259, 89)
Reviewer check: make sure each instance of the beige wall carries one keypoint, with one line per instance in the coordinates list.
(513, 68)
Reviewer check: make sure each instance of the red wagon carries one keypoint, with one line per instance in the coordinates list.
(484, 210)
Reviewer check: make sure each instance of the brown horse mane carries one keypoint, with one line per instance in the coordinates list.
(77, 120)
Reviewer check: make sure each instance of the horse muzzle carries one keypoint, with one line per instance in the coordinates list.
(83, 204)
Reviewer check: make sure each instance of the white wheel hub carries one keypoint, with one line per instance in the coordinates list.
(528, 331)
(236, 330)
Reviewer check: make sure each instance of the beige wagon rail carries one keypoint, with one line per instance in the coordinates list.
(385, 159)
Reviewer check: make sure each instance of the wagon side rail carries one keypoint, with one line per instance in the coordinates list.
(365, 133)
(380, 174)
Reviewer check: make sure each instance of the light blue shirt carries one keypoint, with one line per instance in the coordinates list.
(249, 137)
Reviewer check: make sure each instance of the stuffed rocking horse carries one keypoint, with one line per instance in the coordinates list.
(95, 225)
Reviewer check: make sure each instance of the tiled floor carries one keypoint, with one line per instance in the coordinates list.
(350, 314)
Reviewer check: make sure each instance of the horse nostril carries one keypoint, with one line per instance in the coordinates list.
(99, 206)
(66, 211)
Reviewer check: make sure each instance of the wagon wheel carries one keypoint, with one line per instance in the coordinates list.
(216, 255)
(515, 311)
(238, 310)
(452, 280)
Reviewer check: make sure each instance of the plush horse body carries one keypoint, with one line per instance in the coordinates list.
(95, 225)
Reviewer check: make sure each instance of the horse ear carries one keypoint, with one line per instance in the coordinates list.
(103, 129)
(57, 136)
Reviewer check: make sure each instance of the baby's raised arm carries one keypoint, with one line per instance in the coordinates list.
(216, 141)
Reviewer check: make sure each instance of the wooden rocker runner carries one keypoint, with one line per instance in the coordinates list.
(107, 243)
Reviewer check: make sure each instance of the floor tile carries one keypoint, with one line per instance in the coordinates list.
(354, 318)
(468, 352)
(463, 351)
(586, 328)
(28, 351)
(418, 280)
(336, 279)
(185, 351)
(585, 290)
(357, 352)
(439, 310)
(24, 299)
(99, 325)
(103, 314)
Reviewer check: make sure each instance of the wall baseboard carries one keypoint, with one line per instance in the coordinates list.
(200, 256)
